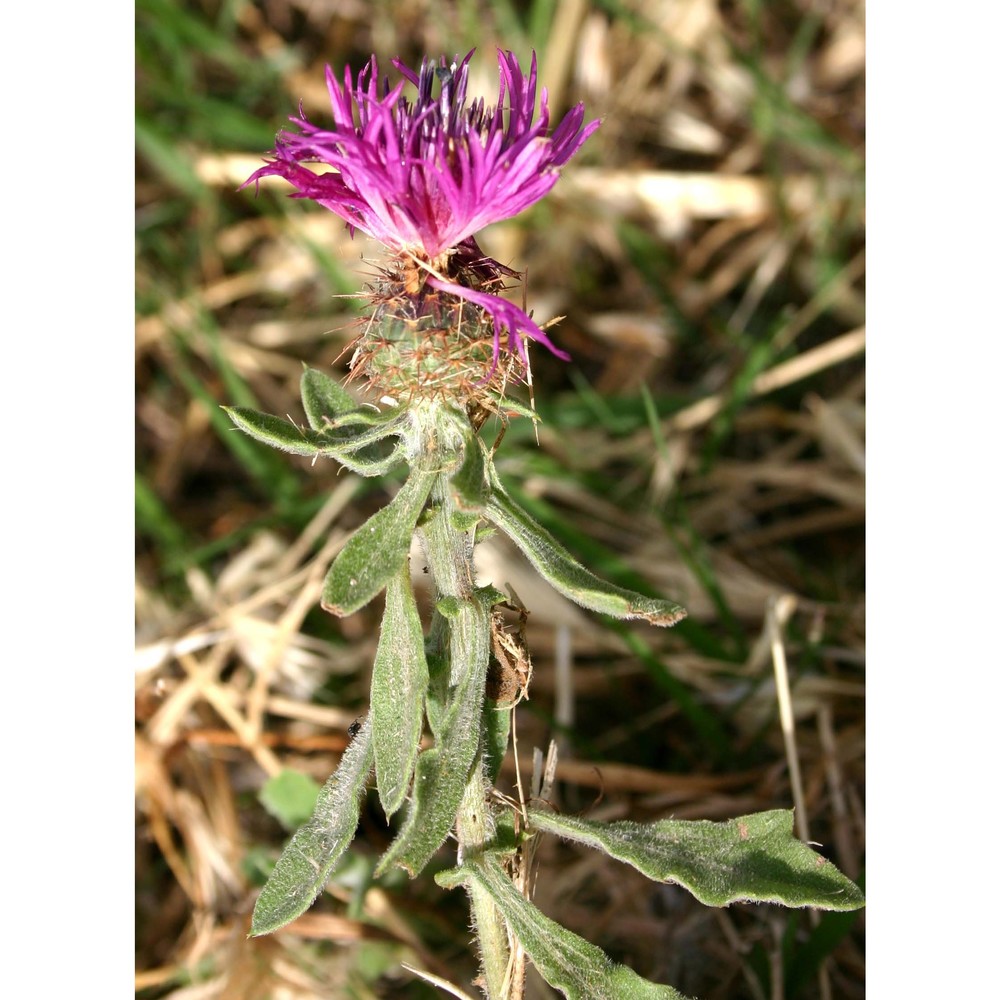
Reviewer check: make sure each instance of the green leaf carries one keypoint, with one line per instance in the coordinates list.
(511, 405)
(754, 858)
(354, 446)
(442, 771)
(399, 685)
(565, 960)
(571, 579)
(330, 406)
(369, 461)
(496, 736)
(376, 550)
(357, 447)
(438, 649)
(344, 440)
(469, 481)
(310, 856)
(324, 399)
(290, 797)
(274, 431)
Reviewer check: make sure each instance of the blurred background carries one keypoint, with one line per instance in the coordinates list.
(706, 444)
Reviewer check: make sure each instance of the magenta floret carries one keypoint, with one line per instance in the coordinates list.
(424, 177)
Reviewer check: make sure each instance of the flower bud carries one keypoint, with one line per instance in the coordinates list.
(420, 342)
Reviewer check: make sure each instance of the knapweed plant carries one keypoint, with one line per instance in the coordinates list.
(438, 348)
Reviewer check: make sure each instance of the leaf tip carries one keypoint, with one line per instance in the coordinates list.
(333, 609)
(260, 925)
(387, 862)
(667, 618)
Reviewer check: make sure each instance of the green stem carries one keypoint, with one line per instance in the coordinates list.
(449, 556)
(474, 827)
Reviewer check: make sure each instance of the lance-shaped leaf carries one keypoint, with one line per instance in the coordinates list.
(399, 684)
(569, 577)
(310, 856)
(376, 550)
(274, 431)
(443, 770)
(339, 440)
(469, 480)
(565, 960)
(329, 405)
(754, 858)
(510, 405)
(356, 448)
(324, 399)
(370, 461)
(438, 649)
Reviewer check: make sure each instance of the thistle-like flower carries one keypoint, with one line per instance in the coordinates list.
(422, 178)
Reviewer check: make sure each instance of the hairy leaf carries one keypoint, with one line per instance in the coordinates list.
(324, 399)
(274, 431)
(469, 481)
(438, 649)
(399, 685)
(330, 406)
(443, 770)
(376, 550)
(496, 736)
(354, 447)
(568, 576)
(310, 856)
(565, 960)
(369, 461)
(337, 441)
(754, 858)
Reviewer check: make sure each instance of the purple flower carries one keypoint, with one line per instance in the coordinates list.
(424, 177)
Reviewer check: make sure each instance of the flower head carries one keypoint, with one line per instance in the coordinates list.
(423, 177)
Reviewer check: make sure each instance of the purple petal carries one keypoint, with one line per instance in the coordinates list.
(506, 316)
(428, 175)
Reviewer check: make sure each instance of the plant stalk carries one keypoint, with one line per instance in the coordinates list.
(449, 556)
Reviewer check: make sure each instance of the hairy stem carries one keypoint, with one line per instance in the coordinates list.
(474, 827)
(449, 555)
